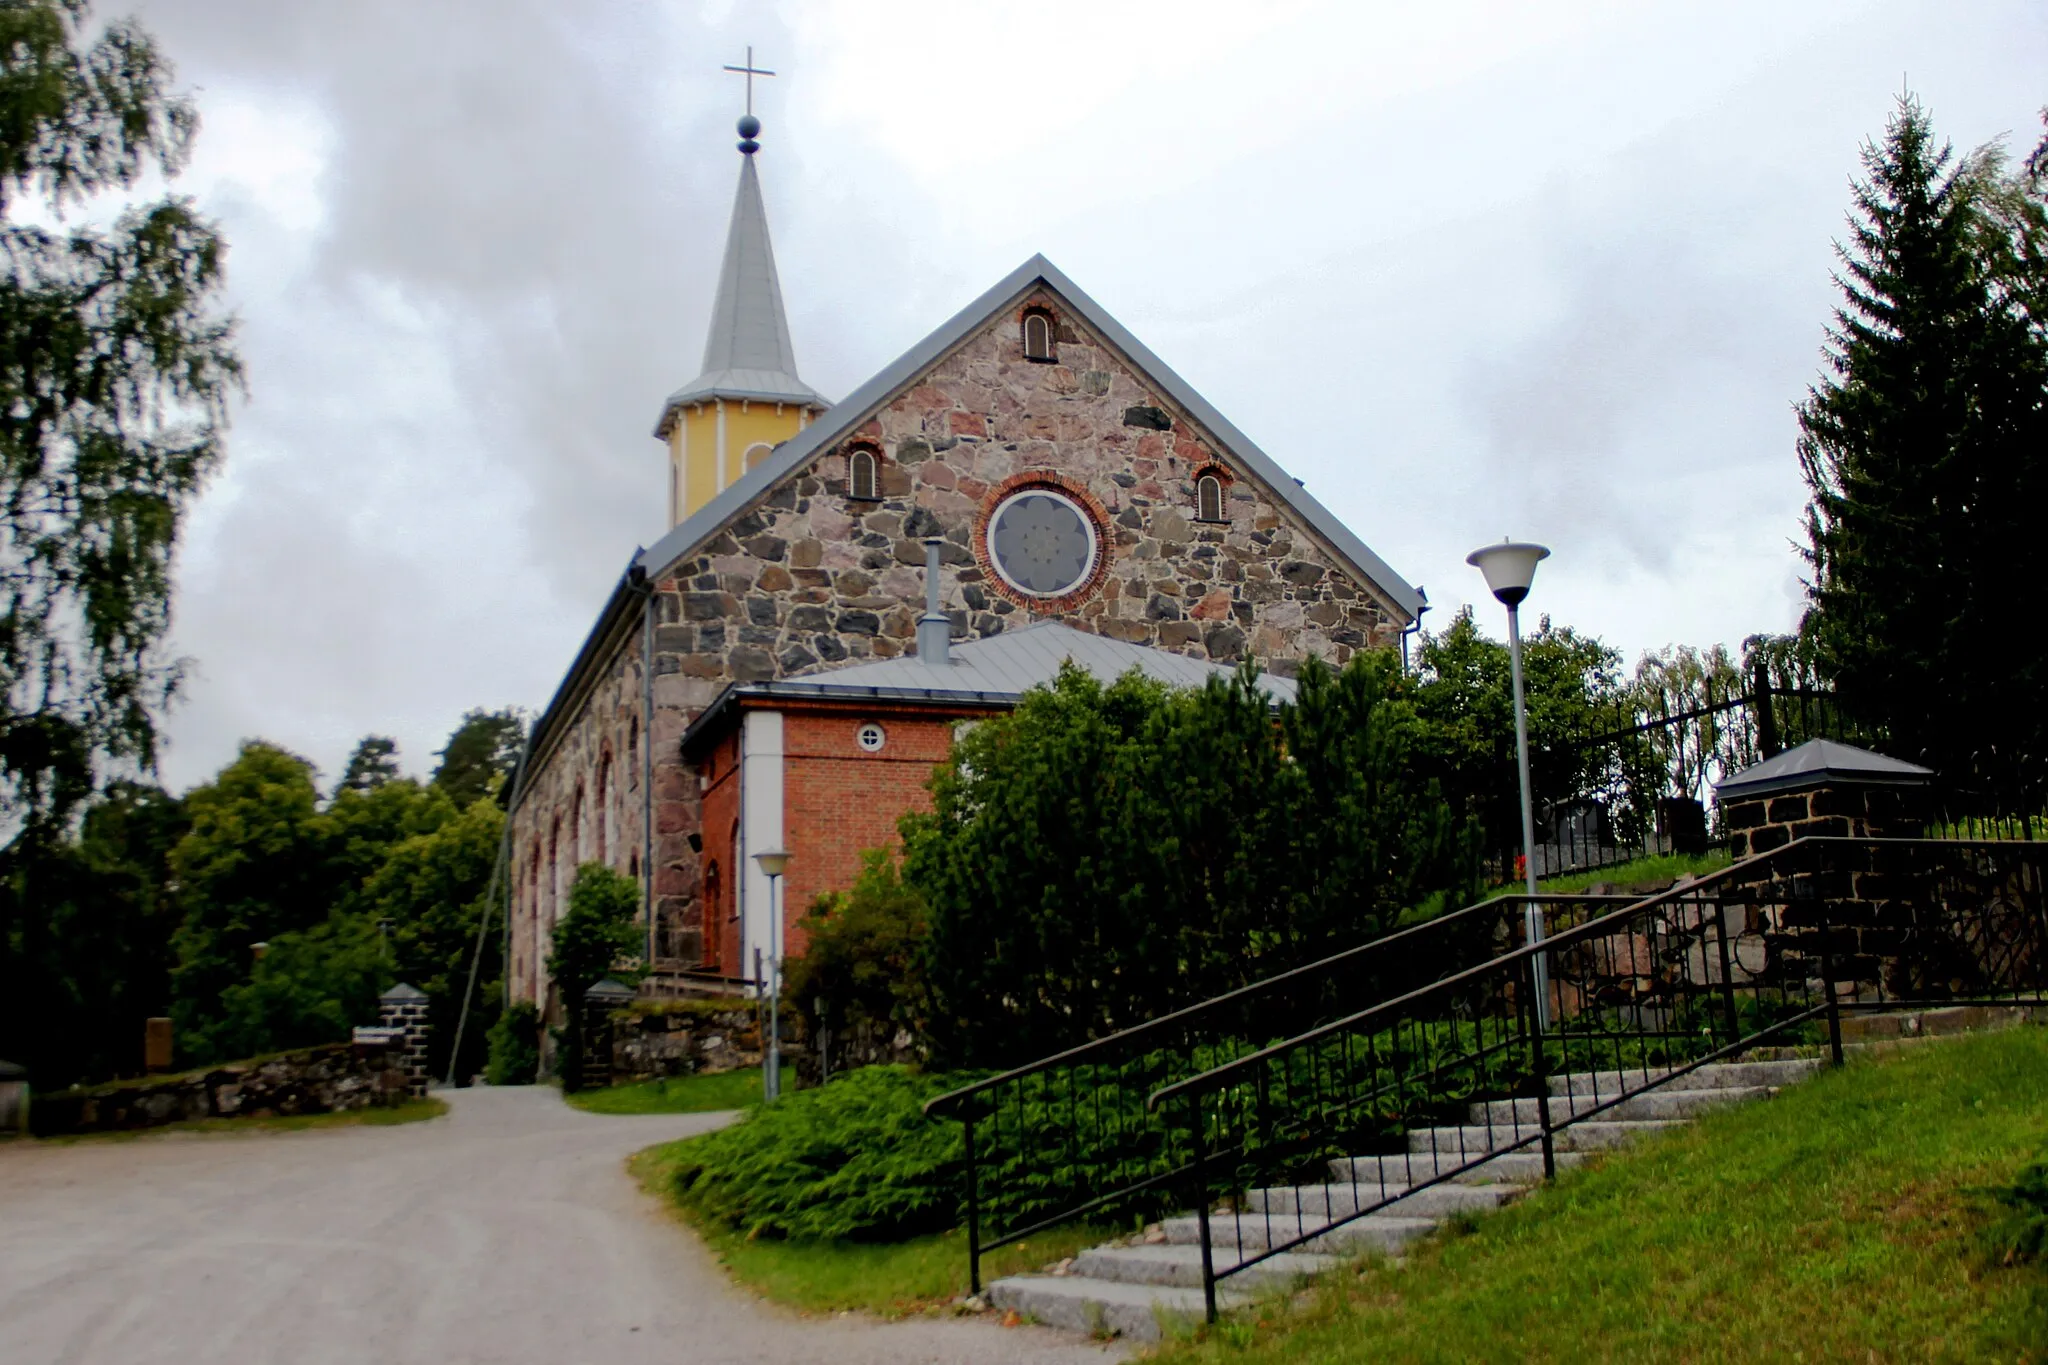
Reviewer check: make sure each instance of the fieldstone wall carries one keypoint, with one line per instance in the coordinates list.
(654, 1041)
(314, 1080)
(809, 578)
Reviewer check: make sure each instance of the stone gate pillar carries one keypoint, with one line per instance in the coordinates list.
(404, 1008)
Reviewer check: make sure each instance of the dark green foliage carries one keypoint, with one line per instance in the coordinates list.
(115, 367)
(1464, 694)
(430, 890)
(1925, 449)
(310, 986)
(515, 1046)
(1106, 854)
(480, 756)
(860, 964)
(374, 762)
(263, 862)
(593, 938)
(94, 920)
(2018, 1234)
(855, 1159)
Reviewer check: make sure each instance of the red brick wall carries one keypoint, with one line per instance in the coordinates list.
(840, 800)
(721, 810)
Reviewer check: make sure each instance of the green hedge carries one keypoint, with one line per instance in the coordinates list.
(855, 1160)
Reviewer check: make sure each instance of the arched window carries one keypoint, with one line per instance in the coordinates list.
(633, 752)
(863, 476)
(1038, 336)
(714, 949)
(1209, 498)
(756, 453)
(604, 807)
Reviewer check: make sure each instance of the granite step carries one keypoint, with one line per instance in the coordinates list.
(1180, 1263)
(1718, 1076)
(1587, 1135)
(1135, 1312)
(1431, 1201)
(1657, 1104)
(1403, 1168)
(1375, 1233)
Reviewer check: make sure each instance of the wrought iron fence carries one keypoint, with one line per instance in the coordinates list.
(1634, 777)
(1358, 1112)
(1071, 1136)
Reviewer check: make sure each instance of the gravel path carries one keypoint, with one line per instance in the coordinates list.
(503, 1234)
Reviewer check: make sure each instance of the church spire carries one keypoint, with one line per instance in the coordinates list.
(749, 367)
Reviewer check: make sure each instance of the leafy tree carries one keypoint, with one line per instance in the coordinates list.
(860, 960)
(115, 368)
(595, 938)
(430, 888)
(515, 1045)
(262, 861)
(481, 754)
(310, 986)
(1105, 854)
(1464, 694)
(373, 763)
(93, 948)
(251, 868)
(1925, 451)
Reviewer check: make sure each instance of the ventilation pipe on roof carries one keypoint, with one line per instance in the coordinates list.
(934, 628)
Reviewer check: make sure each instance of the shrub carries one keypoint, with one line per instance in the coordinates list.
(515, 1046)
(855, 1159)
(1104, 855)
(591, 940)
(860, 967)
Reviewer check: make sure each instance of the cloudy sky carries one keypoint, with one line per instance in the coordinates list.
(1467, 269)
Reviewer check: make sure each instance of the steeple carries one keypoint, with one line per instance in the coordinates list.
(748, 397)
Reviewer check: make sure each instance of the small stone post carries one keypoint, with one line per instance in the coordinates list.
(404, 1007)
(599, 1002)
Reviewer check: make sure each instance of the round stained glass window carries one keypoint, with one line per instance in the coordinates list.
(1041, 542)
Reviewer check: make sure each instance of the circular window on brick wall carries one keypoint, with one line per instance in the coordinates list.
(1042, 542)
(870, 737)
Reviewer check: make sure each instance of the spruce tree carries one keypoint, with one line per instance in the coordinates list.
(1921, 450)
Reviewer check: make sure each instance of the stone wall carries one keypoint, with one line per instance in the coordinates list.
(809, 578)
(683, 1038)
(1761, 823)
(314, 1080)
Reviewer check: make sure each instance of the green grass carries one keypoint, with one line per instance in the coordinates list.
(681, 1094)
(1841, 1222)
(412, 1111)
(1662, 868)
(891, 1279)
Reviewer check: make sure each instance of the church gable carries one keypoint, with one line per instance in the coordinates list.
(1067, 479)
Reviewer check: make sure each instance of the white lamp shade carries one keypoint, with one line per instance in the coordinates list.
(772, 861)
(1510, 567)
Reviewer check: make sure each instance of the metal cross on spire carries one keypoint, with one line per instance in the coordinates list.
(749, 71)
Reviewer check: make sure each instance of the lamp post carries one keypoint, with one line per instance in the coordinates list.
(1510, 567)
(774, 862)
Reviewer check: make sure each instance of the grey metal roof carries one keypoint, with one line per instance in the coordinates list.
(1818, 761)
(747, 352)
(992, 672)
(1011, 664)
(865, 401)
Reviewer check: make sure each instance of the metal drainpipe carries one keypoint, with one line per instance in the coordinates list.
(1413, 627)
(646, 588)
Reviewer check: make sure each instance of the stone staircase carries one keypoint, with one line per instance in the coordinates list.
(1133, 1287)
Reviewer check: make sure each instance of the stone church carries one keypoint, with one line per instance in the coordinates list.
(782, 668)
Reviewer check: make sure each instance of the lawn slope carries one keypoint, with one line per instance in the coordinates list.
(1837, 1222)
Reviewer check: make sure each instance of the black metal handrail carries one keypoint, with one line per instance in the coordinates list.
(1070, 1135)
(1286, 1144)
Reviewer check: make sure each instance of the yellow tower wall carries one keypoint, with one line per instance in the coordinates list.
(708, 445)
